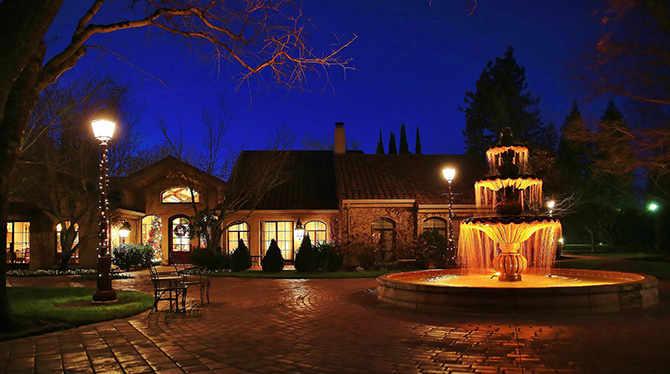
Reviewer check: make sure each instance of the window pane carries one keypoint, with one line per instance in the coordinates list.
(235, 233)
(316, 231)
(18, 242)
(152, 235)
(180, 195)
(180, 235)
(282, 232)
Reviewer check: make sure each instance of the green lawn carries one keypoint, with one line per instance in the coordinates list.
(44, 309)
(290, 274)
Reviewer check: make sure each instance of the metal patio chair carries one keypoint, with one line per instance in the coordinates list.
(167, 287)
(193, 276)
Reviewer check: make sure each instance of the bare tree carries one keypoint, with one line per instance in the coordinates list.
(58, 169)
(325, 144)
(257, 35)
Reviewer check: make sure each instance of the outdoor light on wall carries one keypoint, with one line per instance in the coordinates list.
(103, 130)
(299, 231)
(124, 231)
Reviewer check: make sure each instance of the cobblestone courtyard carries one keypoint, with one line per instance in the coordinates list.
(338, 326)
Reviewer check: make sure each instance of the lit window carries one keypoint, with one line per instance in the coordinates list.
(152, 235)
(236, 232)
(437, 225)
(180, 195)
(383, 233)
(316, 231)
(74, 258)
(181, 241)
(282, 232)
(18, 242)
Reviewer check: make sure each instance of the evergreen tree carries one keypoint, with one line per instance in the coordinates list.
(241, 257)
(500, 100)
(380, 145)
(305, 259)
(403, 147)
(393, 150)
(273, 260)
(417, 145)
(574, 156)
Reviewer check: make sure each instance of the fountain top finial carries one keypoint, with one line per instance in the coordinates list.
(506, 137)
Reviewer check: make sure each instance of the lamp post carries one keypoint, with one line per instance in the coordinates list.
(103, 129)
(124, 231)
(449, 174)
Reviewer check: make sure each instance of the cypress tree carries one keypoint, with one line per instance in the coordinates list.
(403, 147)
(273, 260)
(393, 150)
(241, 257)
(417, 145)
(380, 145)
(305, 260)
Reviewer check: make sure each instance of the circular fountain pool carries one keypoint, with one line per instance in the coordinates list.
(563, 290)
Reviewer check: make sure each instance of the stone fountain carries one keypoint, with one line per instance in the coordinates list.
(495, 250)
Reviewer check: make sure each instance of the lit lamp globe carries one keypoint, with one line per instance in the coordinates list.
(449, 174)
(124, 230)
(551, 204)
(103, 129)
(299, 231)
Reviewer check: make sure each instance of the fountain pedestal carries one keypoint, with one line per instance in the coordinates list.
(510, 263)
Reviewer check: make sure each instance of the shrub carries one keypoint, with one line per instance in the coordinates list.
(328, 257)
(273, 260)
(241, 258)
(305, 260)
(356, 254)
(432, 251)
(209, 259)
(128, 255)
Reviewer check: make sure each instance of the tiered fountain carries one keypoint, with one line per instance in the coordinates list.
(494, 251)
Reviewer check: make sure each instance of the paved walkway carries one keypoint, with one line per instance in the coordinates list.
(337, 326)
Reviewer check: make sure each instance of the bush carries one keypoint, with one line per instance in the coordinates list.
(241, 258)
(273, 260)
(305, 260)
(328, 257)
(128, 255)
(209, 259)
(432, 251)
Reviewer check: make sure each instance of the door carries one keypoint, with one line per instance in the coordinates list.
(180, 242)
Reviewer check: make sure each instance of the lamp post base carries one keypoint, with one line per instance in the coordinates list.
(104, 297)
(105, 293)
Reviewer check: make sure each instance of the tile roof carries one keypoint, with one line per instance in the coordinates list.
(419, 177)
(309, 180)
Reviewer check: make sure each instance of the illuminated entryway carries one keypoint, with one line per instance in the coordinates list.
(180, 242)
(152, 235)
(18, 242)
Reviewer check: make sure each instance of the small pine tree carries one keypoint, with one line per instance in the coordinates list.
(417, 145)
(393, 150)
(305, 259)
(380, 145)
(241, 258)
(403, 147)
(273, 260)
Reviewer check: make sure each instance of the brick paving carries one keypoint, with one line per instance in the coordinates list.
(337, 326)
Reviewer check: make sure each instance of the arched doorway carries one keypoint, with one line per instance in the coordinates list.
(179, 241)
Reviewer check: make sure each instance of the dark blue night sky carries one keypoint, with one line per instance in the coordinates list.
(413, 60)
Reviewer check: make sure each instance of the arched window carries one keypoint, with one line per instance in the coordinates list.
(237, 231)
(383, 233)
(436, 224)
(316, 231)
(180, 195)
(152, 235)
(74, 258)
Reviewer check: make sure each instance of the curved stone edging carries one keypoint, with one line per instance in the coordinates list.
(640, 292)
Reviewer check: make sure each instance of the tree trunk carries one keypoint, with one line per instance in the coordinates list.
(21, 100)
(65, 260)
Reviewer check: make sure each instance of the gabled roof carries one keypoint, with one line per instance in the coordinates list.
(309, 179)
(418, 177)
(158, 170)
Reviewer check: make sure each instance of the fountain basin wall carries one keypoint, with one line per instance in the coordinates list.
(625, 291)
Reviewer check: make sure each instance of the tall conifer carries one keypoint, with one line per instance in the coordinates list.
(403, 147)
(417, 145)
(380, 145)
(393, 150)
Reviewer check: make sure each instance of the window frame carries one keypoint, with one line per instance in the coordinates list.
(265, 244)
(313, 238)
(11, 258)
(195, 195)
(440, 230)
(238, 232)
(383, 230)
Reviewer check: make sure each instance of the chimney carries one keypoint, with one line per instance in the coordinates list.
(340, 139)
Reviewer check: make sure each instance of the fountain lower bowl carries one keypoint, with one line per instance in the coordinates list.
(566, 290)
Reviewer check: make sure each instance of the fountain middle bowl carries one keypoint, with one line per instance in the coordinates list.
(562, 290)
